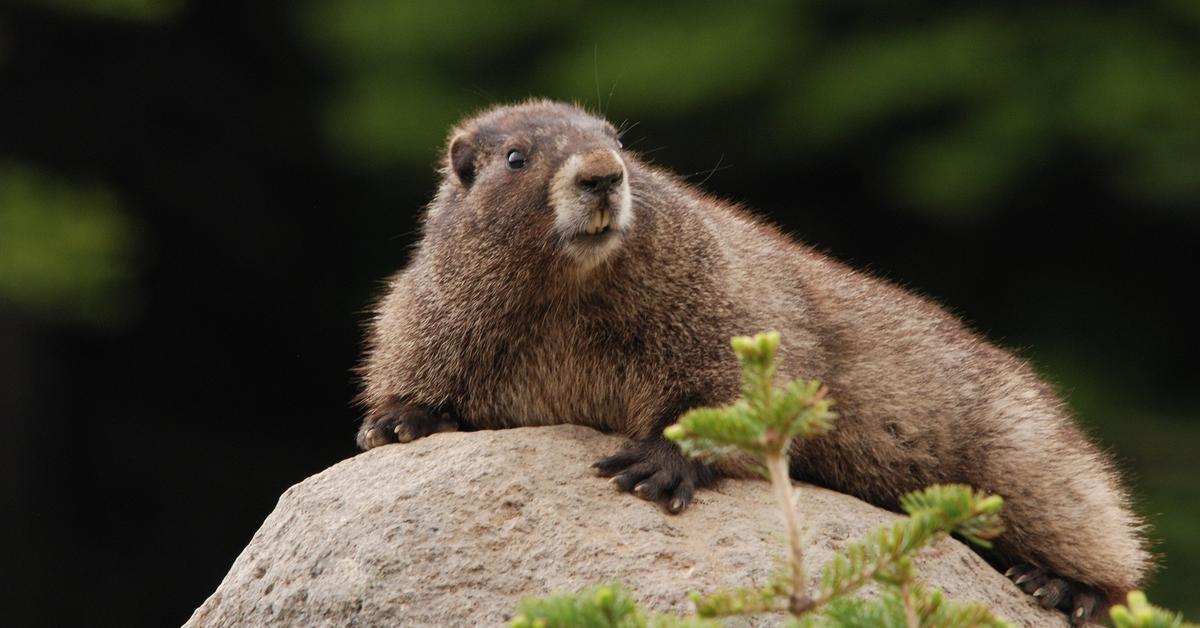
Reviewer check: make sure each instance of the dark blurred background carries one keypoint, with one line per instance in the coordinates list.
(199, 199)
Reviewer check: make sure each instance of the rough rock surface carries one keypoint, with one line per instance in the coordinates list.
(455, 529)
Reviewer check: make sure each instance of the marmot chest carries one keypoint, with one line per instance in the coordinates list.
(551, 375)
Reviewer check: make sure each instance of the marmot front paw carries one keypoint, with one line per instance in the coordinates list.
(656, 471)
(402, 423)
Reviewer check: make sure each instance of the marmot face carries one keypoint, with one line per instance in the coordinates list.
(544, 177)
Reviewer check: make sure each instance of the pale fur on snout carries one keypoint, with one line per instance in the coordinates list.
(579, 213)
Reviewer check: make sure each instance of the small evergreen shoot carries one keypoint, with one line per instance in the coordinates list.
(765, 420)
(1137, 612)
(606, 606)
(759, 428)
(763, 424)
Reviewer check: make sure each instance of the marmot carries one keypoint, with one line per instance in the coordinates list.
(561, 279)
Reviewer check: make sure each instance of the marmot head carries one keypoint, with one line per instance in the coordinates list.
(540, 175)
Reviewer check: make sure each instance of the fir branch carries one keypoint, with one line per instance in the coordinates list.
(911, 607)
(606, 606)
(765, 420)
(742, 601)
(1138, 612)
(884, 555)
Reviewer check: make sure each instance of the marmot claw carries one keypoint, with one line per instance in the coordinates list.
(656, 471)
(402, 423)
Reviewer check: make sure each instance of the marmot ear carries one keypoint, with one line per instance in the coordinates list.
(462, 157)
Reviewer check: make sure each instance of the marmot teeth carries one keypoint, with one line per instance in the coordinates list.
(601, 218)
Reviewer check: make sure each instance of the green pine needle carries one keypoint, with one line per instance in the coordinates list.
(606, 606)
(934, 513)
(765, 420)
(1138, 612)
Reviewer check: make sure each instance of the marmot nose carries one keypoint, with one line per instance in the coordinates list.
(600, 183)
(600, 172)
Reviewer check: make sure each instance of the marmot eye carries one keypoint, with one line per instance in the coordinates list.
(516, 160)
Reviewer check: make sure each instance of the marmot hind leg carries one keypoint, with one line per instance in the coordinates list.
(402, 422)
(1080, 601)
(1071, 539)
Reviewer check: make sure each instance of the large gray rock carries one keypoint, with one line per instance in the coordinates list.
(455, 529)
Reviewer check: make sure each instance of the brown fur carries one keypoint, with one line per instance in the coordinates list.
(494, 324)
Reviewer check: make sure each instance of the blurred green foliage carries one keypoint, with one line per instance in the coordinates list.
(602, 606)
(1138, 612)
(66, 249)
(1010, 87)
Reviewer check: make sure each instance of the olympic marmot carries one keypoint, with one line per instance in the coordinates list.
(560, 279)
